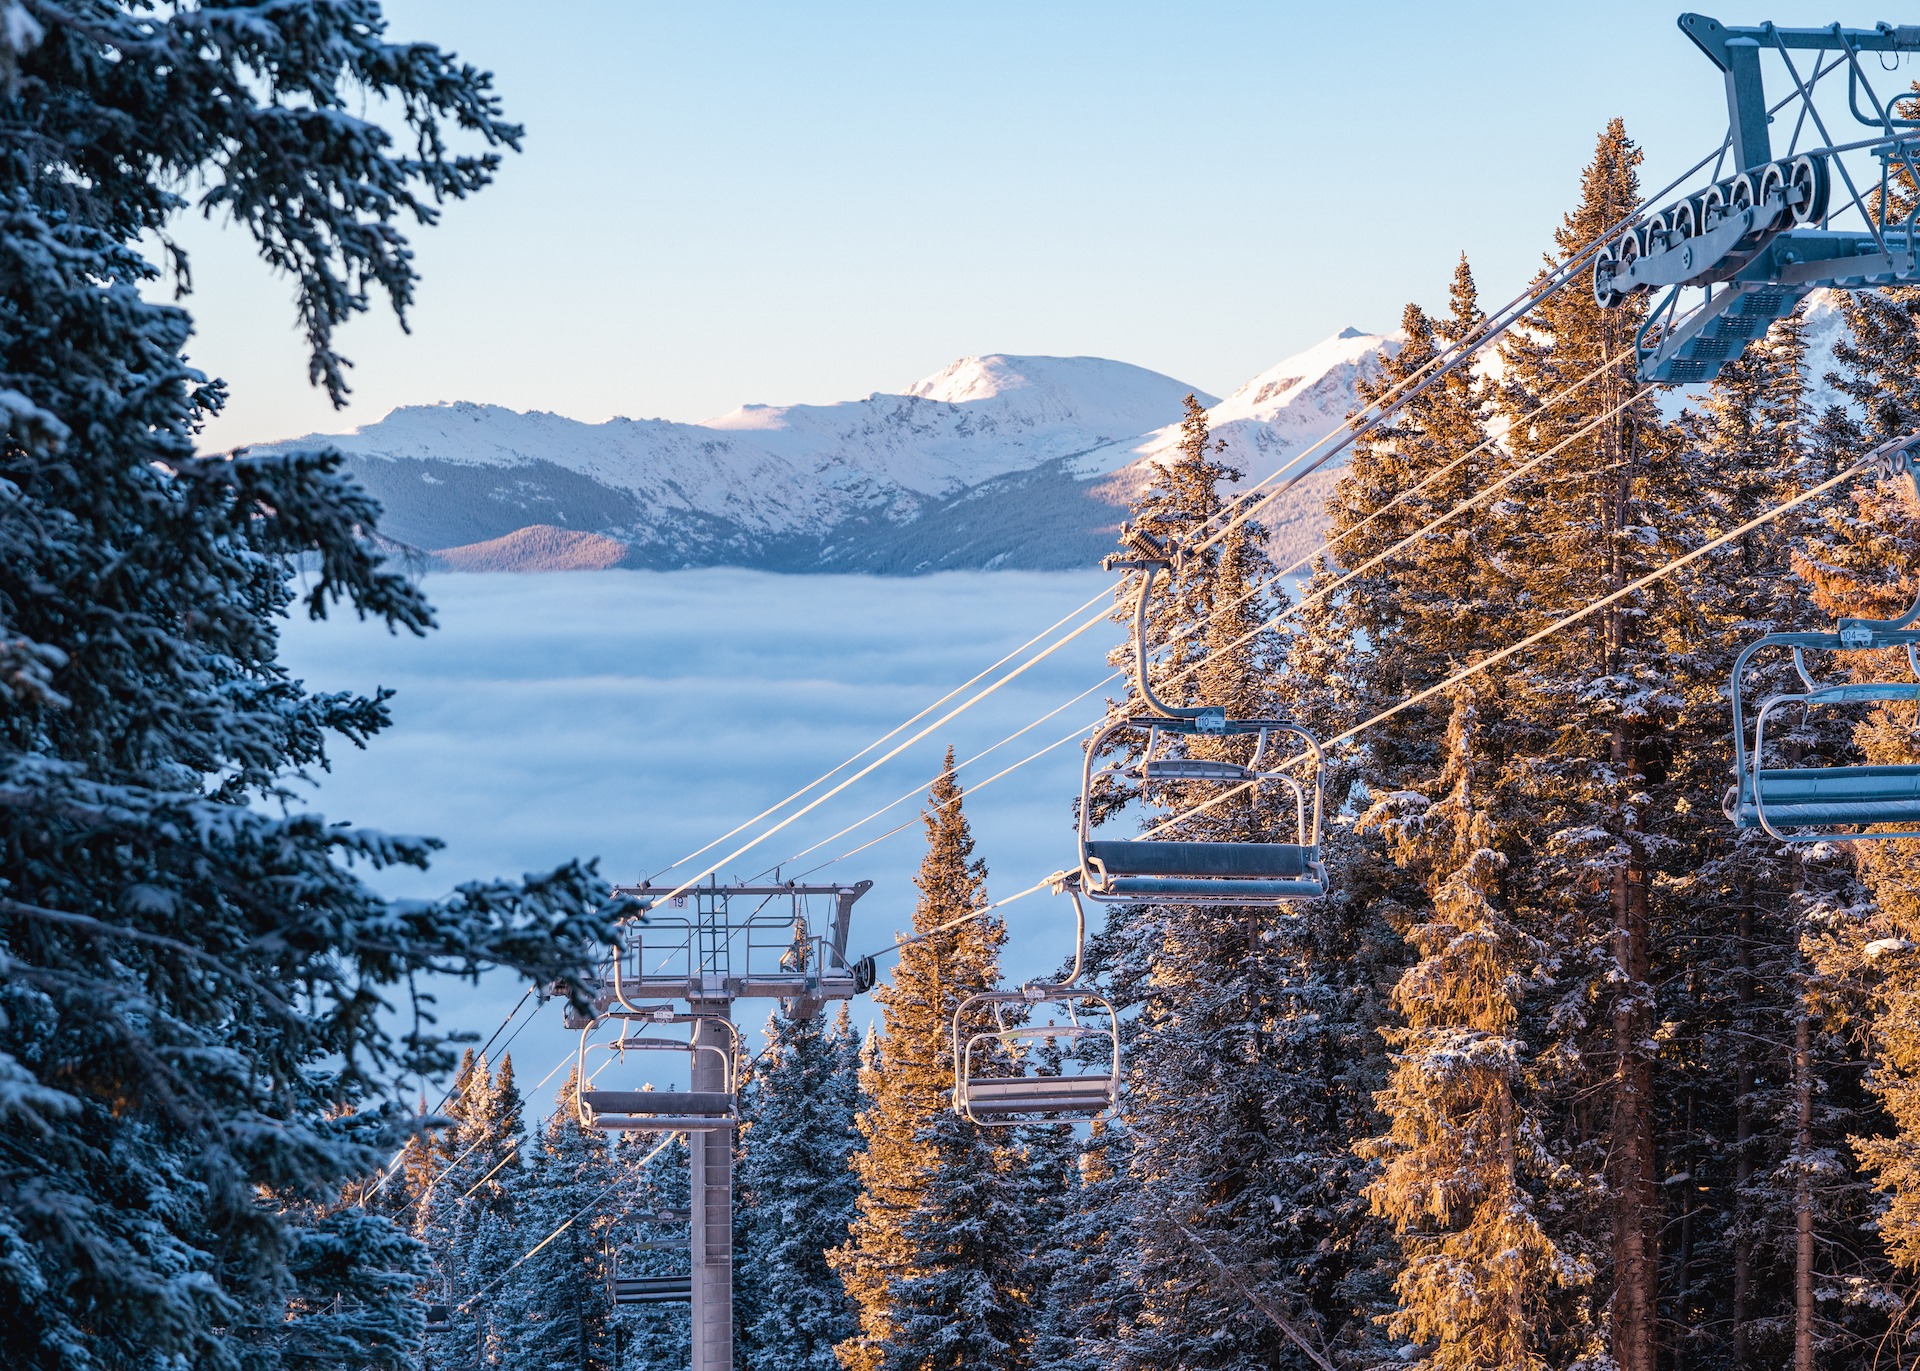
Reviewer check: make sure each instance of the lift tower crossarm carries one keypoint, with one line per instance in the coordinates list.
(1736, 51)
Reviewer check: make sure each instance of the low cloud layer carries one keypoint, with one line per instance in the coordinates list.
(635, 716)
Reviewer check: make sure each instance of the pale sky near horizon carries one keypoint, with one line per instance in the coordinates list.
(780, 203)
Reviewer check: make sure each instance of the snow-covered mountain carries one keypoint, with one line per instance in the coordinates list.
(996, 461)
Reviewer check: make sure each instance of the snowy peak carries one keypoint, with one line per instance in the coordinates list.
(997, 459)
(1324, 371)
(1105, 396)
(1282, 411)
(971, 378)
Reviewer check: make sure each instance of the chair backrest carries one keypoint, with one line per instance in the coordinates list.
(631, 1109)
(990, 1075)
(1831, 797)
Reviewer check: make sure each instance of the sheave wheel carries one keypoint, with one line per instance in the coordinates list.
(1605, 262)
(1713, 207)
(1627, 251)
(1773, 183)
(1807, 180)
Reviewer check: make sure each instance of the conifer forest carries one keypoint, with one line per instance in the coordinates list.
(1498, 930)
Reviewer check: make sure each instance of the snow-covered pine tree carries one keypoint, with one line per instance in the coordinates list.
(914, 1142)
(1588, 721)
(1092, 1294)
(465, 1214)
(1613, 747)
(554, 1312)
(1736, 991)
(962, 1303)
(1463, 1161)
(1864, 560)
(1047, 1183)
(796, 1192)
(193, 1004)
(1409, 593)
(1246, 1052)
(650, 1238)
(1369, 602)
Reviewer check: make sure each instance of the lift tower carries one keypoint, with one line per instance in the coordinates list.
(703, 948)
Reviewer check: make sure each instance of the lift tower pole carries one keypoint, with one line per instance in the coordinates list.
(712, 1196)
(691, 948)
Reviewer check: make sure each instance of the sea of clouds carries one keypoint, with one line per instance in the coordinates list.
(635, 716)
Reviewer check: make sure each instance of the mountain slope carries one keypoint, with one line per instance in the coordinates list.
(994, 461)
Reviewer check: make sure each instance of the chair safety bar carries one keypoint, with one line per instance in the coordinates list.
(658, 1111)
(983, 1091)
(1830, 803)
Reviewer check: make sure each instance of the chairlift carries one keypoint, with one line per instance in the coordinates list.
(993, 1080)
(1813, 804)
(673, 1288)
(1120, 871)
(657, 1111)
(440, 1307)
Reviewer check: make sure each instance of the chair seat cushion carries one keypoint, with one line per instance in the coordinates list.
(1238, 861)
(1821, 796)
(1041, 1095)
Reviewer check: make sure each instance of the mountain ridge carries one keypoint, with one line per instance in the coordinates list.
(995, 461)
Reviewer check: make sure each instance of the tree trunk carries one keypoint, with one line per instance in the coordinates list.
(1636, 1266)
(1743, 1148)
(1635, 1263)
(1802, 1191)
(1683, 1282)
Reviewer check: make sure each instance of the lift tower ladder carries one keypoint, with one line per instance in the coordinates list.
(705, 947)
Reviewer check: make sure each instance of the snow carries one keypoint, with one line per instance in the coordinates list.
(803, 468)
(1276, 415)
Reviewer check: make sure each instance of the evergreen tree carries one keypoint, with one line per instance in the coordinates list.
(961, 1303)
(1092, 1296)
(924, 1250)
(1464, 1156)
(1046, 1184)
(1572, 814)
(1863, 559)
(466, 1211)
(194, 1010)
(1588, 734)
(796, 1193)
(650, 1238)
(1246, 1051)
(1413, 592)
(554, 1312)
(1758, 1083)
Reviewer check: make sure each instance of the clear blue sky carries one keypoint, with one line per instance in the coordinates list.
(721, 203)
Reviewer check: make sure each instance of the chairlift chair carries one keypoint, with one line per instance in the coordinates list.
(656, 1111)
(1120, 871)
(992, 1082)
(672, 1288)
(1812, 804)
(440, 1307)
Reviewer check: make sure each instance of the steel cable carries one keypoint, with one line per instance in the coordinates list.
(1384, 406)
(1276, 619)
(1464, 674)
